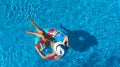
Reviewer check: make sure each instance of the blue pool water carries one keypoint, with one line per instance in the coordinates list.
(93, 27)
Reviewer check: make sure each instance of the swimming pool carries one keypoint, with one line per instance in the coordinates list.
(93, 27)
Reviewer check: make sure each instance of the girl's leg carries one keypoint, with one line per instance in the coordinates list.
(37, 34)
(36, 27)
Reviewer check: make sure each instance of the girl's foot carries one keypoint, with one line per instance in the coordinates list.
(32, 22)
(28, 32)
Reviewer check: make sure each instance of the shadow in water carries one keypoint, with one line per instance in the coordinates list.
(80, 40)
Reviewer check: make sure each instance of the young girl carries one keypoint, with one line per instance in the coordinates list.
(58, 47)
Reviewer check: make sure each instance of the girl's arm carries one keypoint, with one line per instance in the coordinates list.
(44, 56)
